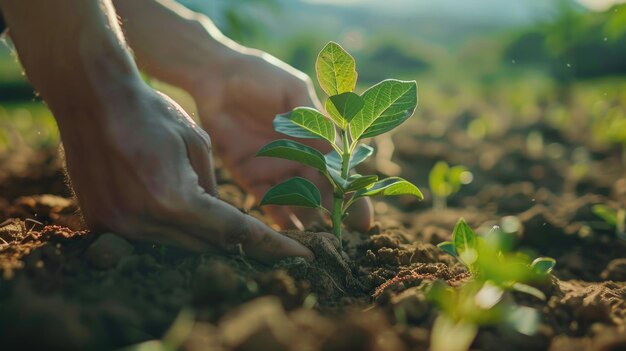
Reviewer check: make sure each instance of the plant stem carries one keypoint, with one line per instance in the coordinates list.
(338, 196)
(337, 216)
(345, 159)
(439, 203)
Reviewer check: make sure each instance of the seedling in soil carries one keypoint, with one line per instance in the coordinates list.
(463, 310)
(445, 181)
(612, 128)
(615, 218)
(487, 260)
(347, 120)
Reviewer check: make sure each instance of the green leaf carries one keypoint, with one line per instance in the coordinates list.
(524, 320)
(362, 152)
(347, 105)
(283, 124)
(336, 176)
(335, 115)
(543, 265)
(465, 243)
(392, 186)
(386, 106)
(293, 192)
(437, 179)
(455, 175)
(448, 247)
(305, 122)
(336, 70)
(357, 182)
(607, 214)
(530, 290)
(488, 296)
(452, 335)
(294, 151)
(333, 161)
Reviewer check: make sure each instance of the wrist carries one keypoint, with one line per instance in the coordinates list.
(207, 55)
(102, 110)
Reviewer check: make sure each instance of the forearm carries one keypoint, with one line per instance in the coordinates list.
(171, 42)
(74, 55)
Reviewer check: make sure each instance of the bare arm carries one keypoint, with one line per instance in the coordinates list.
(77, 50)
(139, 165)
(172, 43)
(238, 92)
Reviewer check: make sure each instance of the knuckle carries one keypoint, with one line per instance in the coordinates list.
(201, 138)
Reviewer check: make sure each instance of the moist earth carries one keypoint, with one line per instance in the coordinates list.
(65, 288)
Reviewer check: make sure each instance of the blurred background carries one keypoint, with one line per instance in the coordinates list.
(484, 68)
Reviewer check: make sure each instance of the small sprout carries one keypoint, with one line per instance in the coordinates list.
(529, 290)
(347, 120)
(464, 244)
(543, 265)
(448, 247)
(489, 260)
(523, 319)
(476, 303)
(445, 181)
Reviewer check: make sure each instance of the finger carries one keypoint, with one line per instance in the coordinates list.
(166, 232)
(227, 228)
(198, 147)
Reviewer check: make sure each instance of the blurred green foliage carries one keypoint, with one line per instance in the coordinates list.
(488, 83)
(445, 181)
(574, 44)
(481, 301)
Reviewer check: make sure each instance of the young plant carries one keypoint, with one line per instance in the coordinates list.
(615, 218)
(488, 260)
(476, 303)
(445, 181)
(348, 119)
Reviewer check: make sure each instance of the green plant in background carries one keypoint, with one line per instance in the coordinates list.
(463, 310)
(615, 218)
(445, 181)
(611, 128)
(480, 302)
(488, 260)
(349, 119)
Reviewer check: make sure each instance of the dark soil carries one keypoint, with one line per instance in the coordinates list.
(64, 288)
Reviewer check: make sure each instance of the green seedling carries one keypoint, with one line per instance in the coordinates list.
(347, 120)
(615, 218)
(463, 310)
(488, 260)
(445, 181)
(611, 128)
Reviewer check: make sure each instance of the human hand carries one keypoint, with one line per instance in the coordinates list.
(237, 105)
(153, 181)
